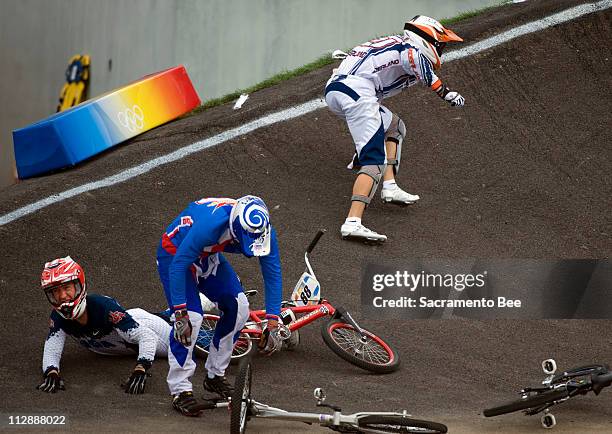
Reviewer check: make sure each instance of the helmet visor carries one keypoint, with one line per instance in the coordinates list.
(255, 244)
(64, 294)
(440, 46)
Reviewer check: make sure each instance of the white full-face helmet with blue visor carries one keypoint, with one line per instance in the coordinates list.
(250, 226)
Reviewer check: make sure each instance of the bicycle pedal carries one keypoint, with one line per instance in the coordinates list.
(205, 404)
(549, 366)
(548, 421)
(213, 398)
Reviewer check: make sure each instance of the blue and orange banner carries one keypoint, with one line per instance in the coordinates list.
(69, 137)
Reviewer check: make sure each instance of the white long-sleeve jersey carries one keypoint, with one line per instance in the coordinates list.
(392, 64)
(110, 330)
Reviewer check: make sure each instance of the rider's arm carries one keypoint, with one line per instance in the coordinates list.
(200, 235)
(414, 62)
(54, 346)
(145, 338)
(132, 332)
(273, 282)
(424, 70)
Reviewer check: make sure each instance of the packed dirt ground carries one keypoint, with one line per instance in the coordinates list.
(523, 171)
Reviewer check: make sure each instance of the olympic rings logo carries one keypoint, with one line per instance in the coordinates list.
(132, 119)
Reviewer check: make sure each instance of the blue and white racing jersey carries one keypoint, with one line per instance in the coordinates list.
(391, 63)
(110, 330)
(195, 237)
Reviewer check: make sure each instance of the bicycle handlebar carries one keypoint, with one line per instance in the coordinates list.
(315, 240)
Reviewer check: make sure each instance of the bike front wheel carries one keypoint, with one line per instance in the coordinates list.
(241, 398)
(532, 401)
(369, 352)
(399, 424)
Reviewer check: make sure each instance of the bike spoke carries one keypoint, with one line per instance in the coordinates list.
(241, 346)
(206, 333)
(351, 342)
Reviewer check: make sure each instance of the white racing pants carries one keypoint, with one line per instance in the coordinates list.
(354, 99)
(180, 358)
(234, 316)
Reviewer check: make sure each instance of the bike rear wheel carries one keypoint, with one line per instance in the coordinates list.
(242, 347)
(371, 352)
(399, 424)
(532, 401)
(241, 398)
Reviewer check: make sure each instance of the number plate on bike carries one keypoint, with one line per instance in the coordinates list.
(307, 291)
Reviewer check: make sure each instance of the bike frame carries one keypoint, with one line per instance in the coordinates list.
(312, 313)
(337, 419)
(568, 380)
(304, 314)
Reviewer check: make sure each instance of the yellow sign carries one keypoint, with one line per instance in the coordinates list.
(76, 87)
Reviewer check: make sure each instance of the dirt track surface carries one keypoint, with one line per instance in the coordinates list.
(522, 171)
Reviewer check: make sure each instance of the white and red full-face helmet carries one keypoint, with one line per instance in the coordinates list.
(61, 271)
(429, 36)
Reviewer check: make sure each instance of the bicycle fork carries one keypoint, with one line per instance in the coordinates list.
(345, 315)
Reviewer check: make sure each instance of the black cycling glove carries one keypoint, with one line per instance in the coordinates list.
(52, 382)
(135, 385)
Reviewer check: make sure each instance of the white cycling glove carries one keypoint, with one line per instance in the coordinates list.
(270, 341)
(455, 99)
(182, 327)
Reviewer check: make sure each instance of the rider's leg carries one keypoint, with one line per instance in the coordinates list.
(354, 99)
(235, 309)
(225, 289)
(362, 187)
(180, 360)
(370, 158)
(363, 190)
(394, 136)
(391, 152)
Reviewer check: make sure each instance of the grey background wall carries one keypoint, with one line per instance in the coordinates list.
(224, 44)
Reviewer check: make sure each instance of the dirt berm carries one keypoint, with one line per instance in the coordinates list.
(522, 171)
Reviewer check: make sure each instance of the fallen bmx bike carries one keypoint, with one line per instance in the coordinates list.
(556, 388)
(341, 332)
(243, 407)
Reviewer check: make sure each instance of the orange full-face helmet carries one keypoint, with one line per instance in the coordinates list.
(429, 36)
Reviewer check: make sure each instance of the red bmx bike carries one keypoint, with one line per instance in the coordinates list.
(340, 332)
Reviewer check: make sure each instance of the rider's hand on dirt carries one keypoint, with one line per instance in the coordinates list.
(135, 385)
(455, 99)
(182, 327)
(52, 382)
(270, 341)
